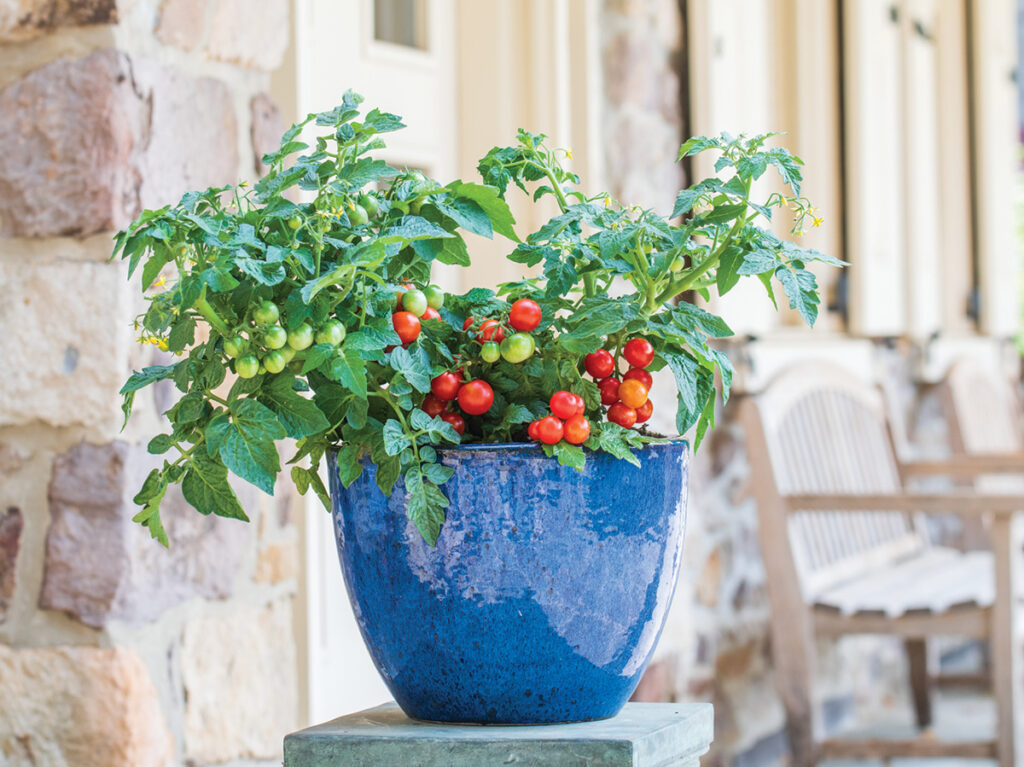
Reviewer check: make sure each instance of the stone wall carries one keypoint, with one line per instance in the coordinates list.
(114, 651)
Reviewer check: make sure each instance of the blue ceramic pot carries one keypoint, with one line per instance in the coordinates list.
(545, 595)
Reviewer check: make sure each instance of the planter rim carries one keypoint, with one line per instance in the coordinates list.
(526, 446)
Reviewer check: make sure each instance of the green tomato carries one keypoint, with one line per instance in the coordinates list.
(275, 337)
(490, 352)
(235, 346)
(247, 367)
(332, 333)
(266, 313)
(288, 353)
(518, 347)
(357, 215)
(677, 265)
(369, 204)
(414, 301)
(301, 338)
(415, 207)
(435, 296)
(294, 222)
(275, 362)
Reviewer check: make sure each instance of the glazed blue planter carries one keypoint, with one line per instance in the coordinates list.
(545, 595)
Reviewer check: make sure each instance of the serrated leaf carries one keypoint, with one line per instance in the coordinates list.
(299, 416)
(206, 487)
(348, 464)
(395, 438)
(425, 505)
(248, 448)
(570, 455)
(349, 369)
(489, 201)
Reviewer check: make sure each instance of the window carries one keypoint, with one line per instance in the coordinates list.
(402, 22)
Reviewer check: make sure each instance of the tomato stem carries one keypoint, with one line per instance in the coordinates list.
(210, 315)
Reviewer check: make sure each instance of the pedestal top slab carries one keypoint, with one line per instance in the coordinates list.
(642, 735)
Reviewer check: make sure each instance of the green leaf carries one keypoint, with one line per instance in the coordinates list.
(349, 464)
(411, 228)
(365, 170)
(488, 199)
(316, 356)
(425, 504)
(299, 416)
(388, 470)
(728, 269)
(415, 368)
(248, 448)
(395, 438)
(569, 455)
(349, 369)
(149, 497)
(801, 289)
(371, 340)
(206, 487)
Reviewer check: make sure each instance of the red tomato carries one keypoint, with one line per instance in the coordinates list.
(524, 315)
(431, 314)
(532, 430)
(581, 406)
(407, 325)
(550, 429)
(638, 352)
(643, 413)
(446, 386)
(563, 404)
(456, 420)
(476, 397)
(623, 415)
(599, 364)
(490, 330)
(432, 406)
(632, 393)
(577, 429)
(639, 374)
(609, 389)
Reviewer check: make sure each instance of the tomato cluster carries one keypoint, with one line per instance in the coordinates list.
(515, 347)
(266, 347)
(566, 421)
(414, 305)
(627, 398)
(474, 397)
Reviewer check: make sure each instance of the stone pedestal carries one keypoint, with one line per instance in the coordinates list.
(642, 735)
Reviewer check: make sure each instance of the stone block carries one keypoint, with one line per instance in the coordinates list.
(641, 735)
(65, 348)
(11, 524)
(277, 562)
(100, 566)
(239, 673)
(255, 40)
(266, 127)
(181, 23)
(25, 19)
(86, 143)
(80, 707)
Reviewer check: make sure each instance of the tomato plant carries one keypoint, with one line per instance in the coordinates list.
(317, 320)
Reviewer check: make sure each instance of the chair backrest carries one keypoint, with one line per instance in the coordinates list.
(983, 410)
(824, 431)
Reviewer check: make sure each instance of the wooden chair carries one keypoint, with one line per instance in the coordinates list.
(846, 552)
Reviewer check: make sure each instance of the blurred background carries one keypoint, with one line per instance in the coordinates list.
(906, 112)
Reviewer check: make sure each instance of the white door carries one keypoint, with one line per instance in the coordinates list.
(399, 54)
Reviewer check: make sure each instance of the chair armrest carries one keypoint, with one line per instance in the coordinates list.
(966, 466)
(963, 503)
